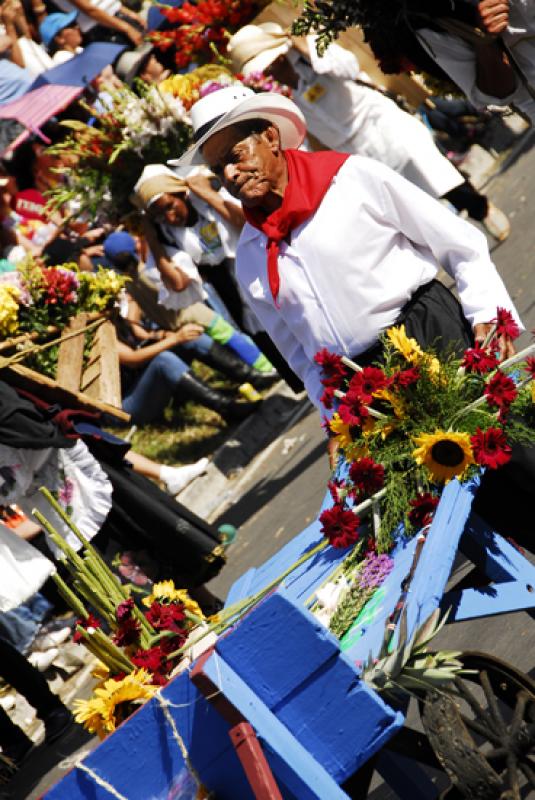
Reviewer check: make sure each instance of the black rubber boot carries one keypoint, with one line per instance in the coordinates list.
(230, 364)
(190, 387)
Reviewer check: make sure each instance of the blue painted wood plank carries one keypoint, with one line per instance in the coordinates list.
(291, 763)
(499, 598)
(293, 664)
(142, 760)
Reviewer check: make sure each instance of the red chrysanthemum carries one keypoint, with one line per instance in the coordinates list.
(334, 374)
(124, 610)
(367, 382)
(406, 377)
(478, 359)
(490, 448)
(505, 324)
(340, 526)
(167, 617)
(90, 622)
(153, 660)
(352, 410)
(500, 391)
(327, 398)
(423, 509)
(367, 476)
(127, 633)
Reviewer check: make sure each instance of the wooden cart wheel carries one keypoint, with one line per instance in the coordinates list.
(484, 737)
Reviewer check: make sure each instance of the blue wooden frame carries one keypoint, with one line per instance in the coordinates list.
(285, 673)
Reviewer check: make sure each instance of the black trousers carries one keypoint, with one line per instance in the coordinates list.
(434, 317)
(17, 671)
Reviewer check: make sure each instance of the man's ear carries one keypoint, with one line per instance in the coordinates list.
(273, 139)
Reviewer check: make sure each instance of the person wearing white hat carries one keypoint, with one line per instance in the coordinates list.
(336, 247)
(348, 116)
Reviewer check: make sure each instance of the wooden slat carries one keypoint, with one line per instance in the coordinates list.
(71, 355)
(101, 378)
(51, 391)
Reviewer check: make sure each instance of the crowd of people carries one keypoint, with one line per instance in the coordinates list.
(201, 287)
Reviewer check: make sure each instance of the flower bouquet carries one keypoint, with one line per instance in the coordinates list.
(403, 429)
(38, 302)
(143, 644)
(135, 129)
(109, 155)
(202, 29)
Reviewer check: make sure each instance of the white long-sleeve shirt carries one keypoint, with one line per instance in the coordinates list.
(351, 267)
(457, 58)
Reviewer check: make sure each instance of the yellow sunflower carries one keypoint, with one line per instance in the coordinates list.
(409, 348)
(344, 439)
(341, 430)
(108, 707)
(165, 592)
(446, 454)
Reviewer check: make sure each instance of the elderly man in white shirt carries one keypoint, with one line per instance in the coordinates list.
(351, 246)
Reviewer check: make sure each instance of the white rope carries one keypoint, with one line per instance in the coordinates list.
(101, 782)
(164, 705)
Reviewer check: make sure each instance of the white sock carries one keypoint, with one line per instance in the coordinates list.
(177, 478)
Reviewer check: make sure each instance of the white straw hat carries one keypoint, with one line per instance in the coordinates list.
(255, 47)
(219, 110)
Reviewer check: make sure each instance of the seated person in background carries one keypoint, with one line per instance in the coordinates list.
(105, 21)
(14, 79)
(61, 35)
(33, 56)
(220, 346)
(152, 375)
(140, 63)
(201, 223)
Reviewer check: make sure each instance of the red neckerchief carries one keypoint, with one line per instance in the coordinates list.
(309, 177)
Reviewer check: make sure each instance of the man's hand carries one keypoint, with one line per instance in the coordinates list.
(201, 184)
(332, 452)
(506, 347)
(494, 15)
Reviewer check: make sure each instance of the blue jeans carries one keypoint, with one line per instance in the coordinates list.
(146, 399)
(21, 625)
(197, 347)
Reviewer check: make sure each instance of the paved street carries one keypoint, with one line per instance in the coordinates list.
(281, 491)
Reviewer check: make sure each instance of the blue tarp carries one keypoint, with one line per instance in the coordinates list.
(80, 70)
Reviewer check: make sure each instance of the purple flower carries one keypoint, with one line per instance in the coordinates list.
(375, 569)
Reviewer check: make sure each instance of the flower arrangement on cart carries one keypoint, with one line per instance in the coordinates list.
(402, 429)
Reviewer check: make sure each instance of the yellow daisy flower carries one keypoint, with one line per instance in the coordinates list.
(103, 712)
(165, 592)
(446, 454)
(409, 348)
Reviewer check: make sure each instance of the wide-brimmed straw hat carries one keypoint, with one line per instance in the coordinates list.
(255, 47)
(237, 103)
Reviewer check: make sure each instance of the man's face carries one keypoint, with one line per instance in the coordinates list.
(153, 71)
(247, 166)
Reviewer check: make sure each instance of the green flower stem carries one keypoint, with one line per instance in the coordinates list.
(103, 648)
(233, 613)
(194, 617)
(371, 411)
(59, 541)
(69, 597)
